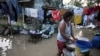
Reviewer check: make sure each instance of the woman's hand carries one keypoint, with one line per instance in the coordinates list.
(72, 40)
(75, 39)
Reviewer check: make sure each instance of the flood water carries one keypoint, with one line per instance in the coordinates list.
(18, 45)
(5, 44)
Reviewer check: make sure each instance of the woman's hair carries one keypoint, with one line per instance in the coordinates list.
(67, 14)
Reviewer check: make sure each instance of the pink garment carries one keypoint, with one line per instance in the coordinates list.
(55, 14)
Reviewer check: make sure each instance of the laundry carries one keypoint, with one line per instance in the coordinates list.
(13, 8)
(4, 9)
(31, 12)
(45, 14)
(55, 14)
(78, 11)
(86, 11)
(40, 14)
(77, 19)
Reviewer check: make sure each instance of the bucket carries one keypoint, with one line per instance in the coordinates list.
(83, 44)
(83, 38)
(84, 47)
(86, 53)
(96, 41)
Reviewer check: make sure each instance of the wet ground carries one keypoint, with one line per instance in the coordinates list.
(18, 45)
(21, 47)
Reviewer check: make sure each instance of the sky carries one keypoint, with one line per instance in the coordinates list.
(66, 1)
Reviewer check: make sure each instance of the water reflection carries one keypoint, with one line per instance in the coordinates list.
(5, 44)
(80, 34)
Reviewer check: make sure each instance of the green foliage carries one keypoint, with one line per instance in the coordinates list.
(76, 3)
(97, 1)
(91, 2)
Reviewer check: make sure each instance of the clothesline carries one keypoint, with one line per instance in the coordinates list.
(39, 13)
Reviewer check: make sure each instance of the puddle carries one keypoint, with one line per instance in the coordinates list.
(5, 44)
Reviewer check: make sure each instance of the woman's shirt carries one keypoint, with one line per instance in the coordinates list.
(67, 32)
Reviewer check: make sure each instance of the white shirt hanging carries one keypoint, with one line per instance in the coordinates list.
(31, 12)
(78, 11)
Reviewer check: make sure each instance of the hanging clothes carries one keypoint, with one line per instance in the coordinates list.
(0, 5)
(91, 17)
(40, 15)
(77, 19)
(0, 11)
(86, 20)
(98, 19)
(78, 11)
(4, 9)
(98, 16)
(55, 15)
(27, 11)
(49, 16)
(20, 9)
(91, 9)
(86, 11)
(45, 14)
(31, 12)
(78, 15)
(96, 8)
(13, 8)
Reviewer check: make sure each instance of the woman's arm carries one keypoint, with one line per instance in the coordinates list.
(72, 34)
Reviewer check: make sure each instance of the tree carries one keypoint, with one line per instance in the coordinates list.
(54, 3)
(97, 1)
(76, 3)
(91, 2)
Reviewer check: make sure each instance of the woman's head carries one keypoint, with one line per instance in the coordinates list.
(67, 15)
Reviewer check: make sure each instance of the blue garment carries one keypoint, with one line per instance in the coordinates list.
(40, 14)
(0, 11)
(0, 5)
(20, 10)
(4, 9)
(83, 19)
(13, 8)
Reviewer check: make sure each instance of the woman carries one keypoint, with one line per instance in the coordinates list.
(64, 32)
